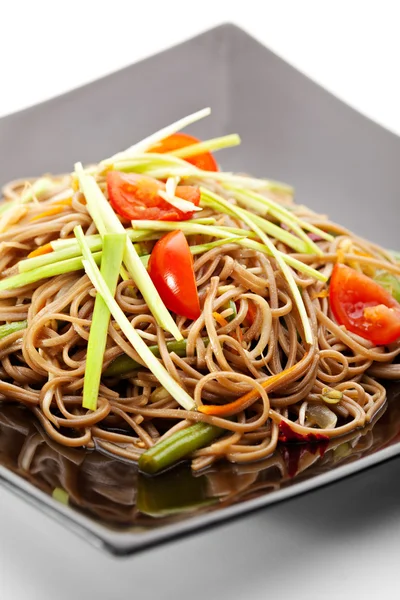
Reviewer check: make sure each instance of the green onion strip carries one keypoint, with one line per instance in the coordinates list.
(152, 363)
(111, 260)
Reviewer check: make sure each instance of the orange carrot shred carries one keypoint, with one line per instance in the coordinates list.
(54, 210)
(226, 410)
(46, 249)
(48, 213)
(220, 319)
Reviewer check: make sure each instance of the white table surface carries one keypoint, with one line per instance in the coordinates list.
(334, 543)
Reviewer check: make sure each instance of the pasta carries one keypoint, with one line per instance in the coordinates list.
(265, 361)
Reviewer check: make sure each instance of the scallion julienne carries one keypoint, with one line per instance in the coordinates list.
(34, 190)
(275, 231)
(200, 248)
(153, 364)
(10, 328)
(105, 215)
(134, 236)
(59, 266)
(251, 199)
(159, 135)
(52, 270)
(227, 141)
(111, 260)
(226, 232)
(247, 218)
(124, 364)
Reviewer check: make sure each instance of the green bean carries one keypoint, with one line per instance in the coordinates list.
(177, 446)
(158, 498)
(125, 364)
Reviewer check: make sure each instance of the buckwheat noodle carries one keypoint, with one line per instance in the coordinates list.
(43, 366)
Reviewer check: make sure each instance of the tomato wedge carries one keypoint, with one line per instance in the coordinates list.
(135, 196)
(205, 161)
(171, 270)
(363, 306)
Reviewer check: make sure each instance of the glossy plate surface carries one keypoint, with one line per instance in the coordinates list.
(292, 130)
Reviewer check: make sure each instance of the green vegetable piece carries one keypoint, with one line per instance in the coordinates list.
(107, 221)
(65, 266)
(113, 250)
(232, 306)
(9, 328)
(125, 364)
(178, 446)
(342, 451)
(390, 282)
(60, 495)
(157, 368)
(172, 493)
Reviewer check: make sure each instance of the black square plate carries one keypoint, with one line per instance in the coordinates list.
(292, 130)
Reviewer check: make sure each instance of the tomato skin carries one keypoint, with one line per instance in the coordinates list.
(363, 306)
(205, 161)
(171, 270)
(135, 196)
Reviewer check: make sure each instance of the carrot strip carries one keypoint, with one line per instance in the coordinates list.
(48, 213)
(54, 210)
(65, 202)
(220, 319)
(321, 294)
(45, 249)
(226, 410)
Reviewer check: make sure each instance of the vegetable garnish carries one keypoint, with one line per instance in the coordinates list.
(390, 282)
(220, 319)
(171, 270)
(54, 209)
(156, 137)
(45, 249)
(60, 495)
(125, 364)
(363, 306)
(32, 192)
(331, 396)
(111, 259)
(95, 244)
(244, 239)
(177, 446)
(10, 328)
(178, 141)
(107, 222)
(152, 363)
(52, 270)
(262, 283)
(248, 218)
(252, 199)
(136, 196)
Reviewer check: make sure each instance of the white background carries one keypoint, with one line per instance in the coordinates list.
(328, 545)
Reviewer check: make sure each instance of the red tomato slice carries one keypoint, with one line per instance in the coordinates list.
(363, 306)
(176, 141)
(171, 270)
(135, 196)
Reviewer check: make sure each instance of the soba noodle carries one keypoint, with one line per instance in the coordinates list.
(43, 365)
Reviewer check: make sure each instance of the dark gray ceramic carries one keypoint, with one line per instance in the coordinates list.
(292, 130)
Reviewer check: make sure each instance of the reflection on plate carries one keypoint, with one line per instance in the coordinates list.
(113, 492)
